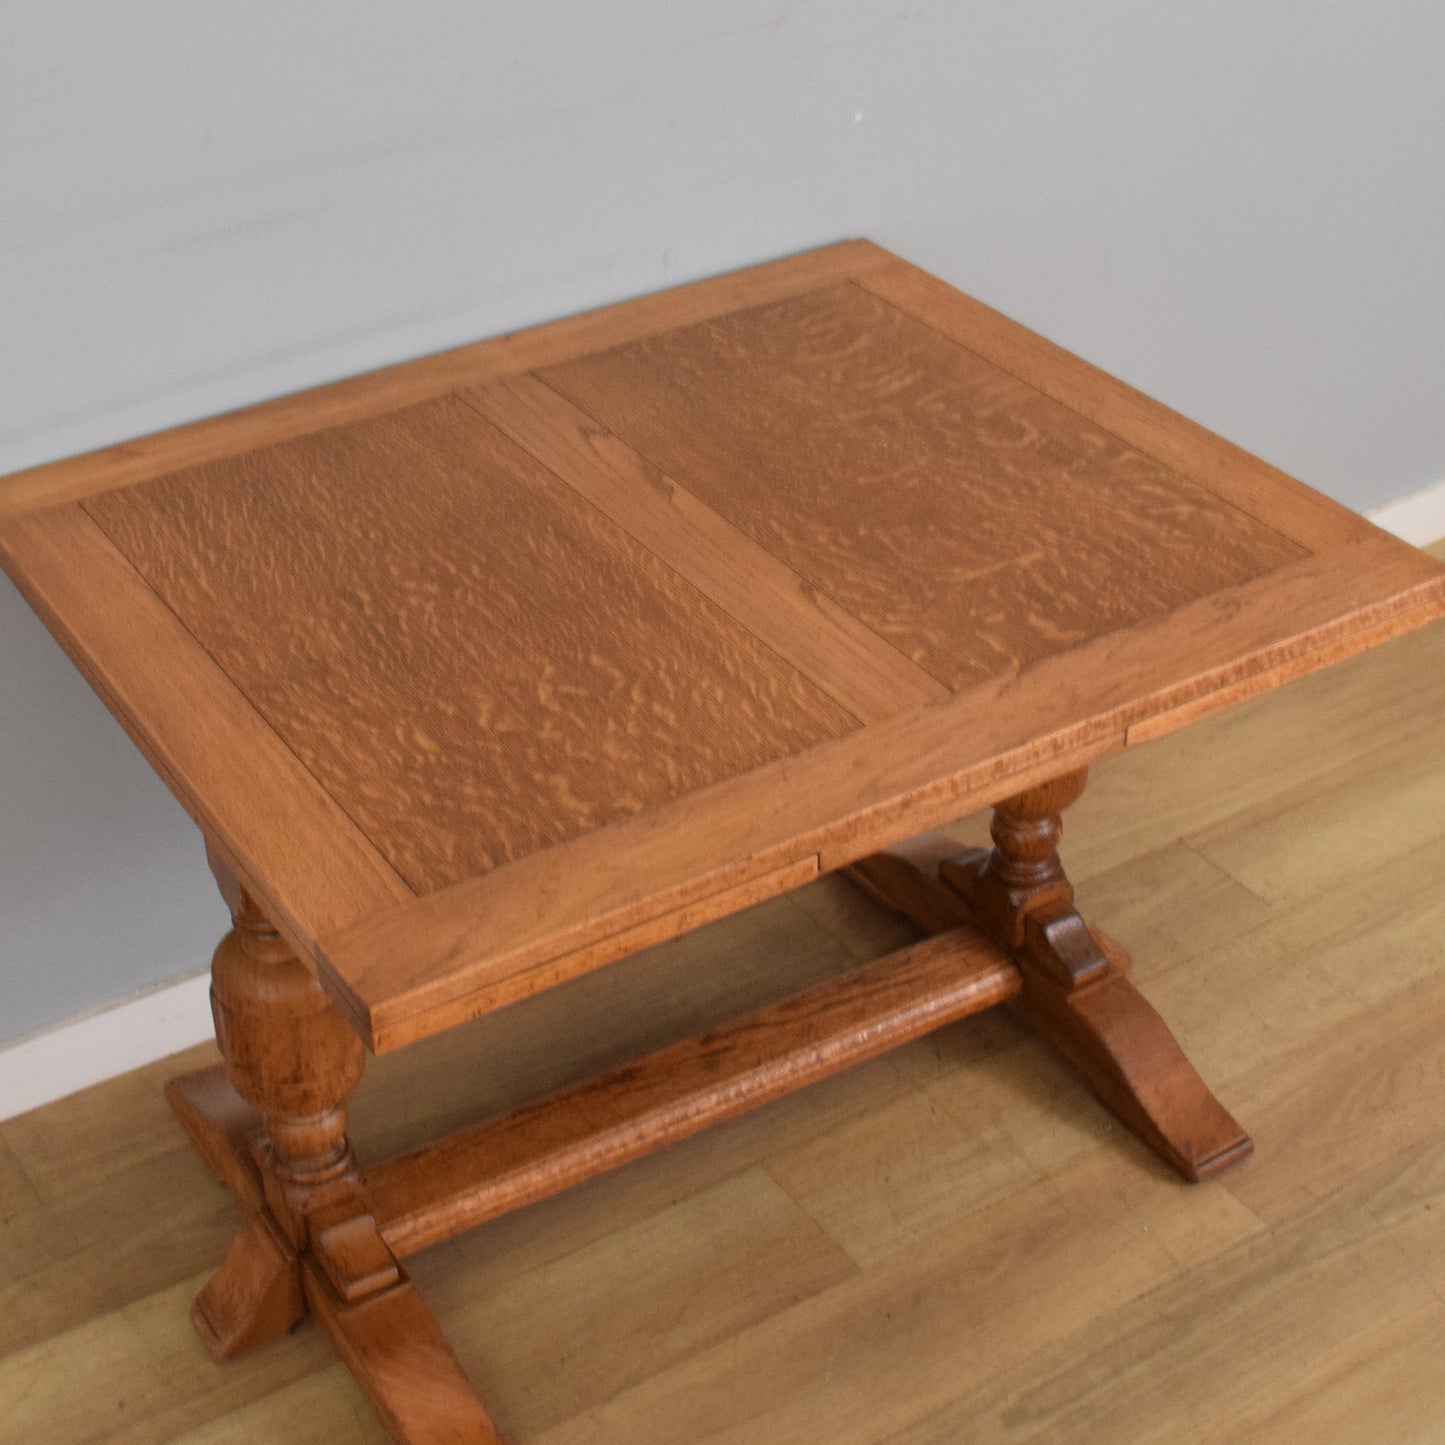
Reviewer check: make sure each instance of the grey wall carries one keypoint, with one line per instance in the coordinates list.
(1238, 207)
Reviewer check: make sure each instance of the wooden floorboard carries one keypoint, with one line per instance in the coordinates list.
(949, 1244)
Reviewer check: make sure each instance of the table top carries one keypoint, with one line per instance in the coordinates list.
(489, 668)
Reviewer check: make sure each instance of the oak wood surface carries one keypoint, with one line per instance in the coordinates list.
(798, 620)
(818, 1270)
(1208, 460)
(471, 660)
(970, 520)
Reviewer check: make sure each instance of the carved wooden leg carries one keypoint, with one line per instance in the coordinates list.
(272, 1126)
(1076, 993)
(292, 1057)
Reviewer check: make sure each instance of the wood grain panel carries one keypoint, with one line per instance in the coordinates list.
(859, 793)
(1227, 470)
(825, 643)
(231, 771)
(377, 392)
(474, 662)
(973, 522)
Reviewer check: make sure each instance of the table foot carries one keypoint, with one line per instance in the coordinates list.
(396, 1351)
(1075, 994)
(1132, 1061)
(254, 1297)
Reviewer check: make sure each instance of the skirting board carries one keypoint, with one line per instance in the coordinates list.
(113, 1040)
(98, 1046)
(1418, 519)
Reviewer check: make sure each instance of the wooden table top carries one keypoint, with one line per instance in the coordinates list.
(486, 669)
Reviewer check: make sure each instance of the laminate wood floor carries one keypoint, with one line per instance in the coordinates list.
(951, 1244)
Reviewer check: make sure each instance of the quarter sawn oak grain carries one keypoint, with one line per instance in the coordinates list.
(799, 621)
(1246, 482)
(970, 520)
(472, 660)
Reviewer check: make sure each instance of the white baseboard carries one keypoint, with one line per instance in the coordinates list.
(1418, 519)
(98, 1046)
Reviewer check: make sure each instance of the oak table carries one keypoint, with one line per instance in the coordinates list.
(486, 670)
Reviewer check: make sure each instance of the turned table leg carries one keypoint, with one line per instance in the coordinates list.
(273, 1128)
(1076, 992)
(291, 1056)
